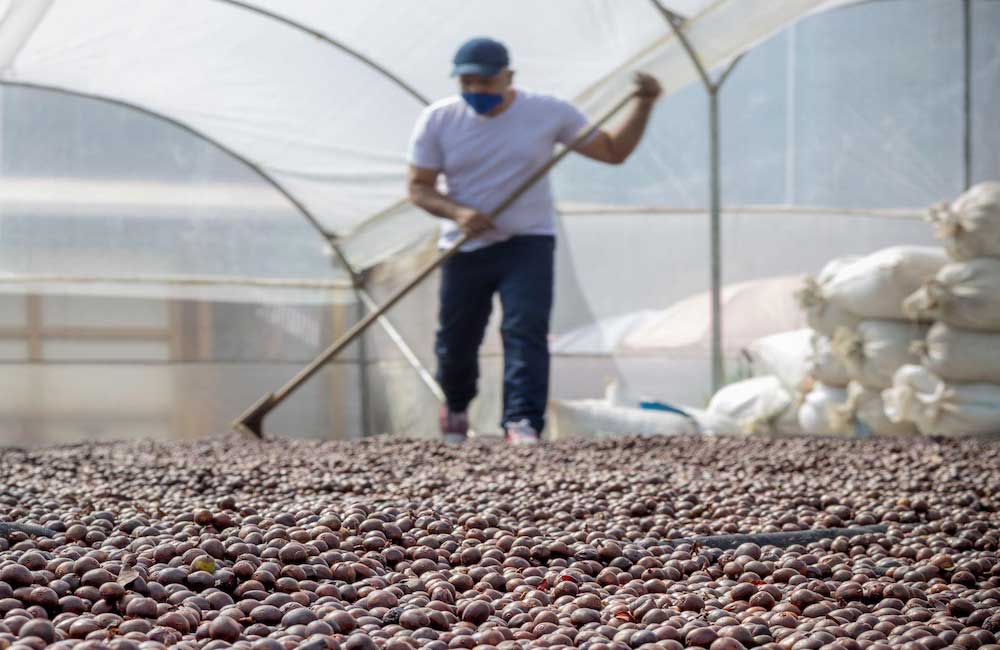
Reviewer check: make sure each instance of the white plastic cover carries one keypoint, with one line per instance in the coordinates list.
(594, 418)
(754, 309)
(329, 123)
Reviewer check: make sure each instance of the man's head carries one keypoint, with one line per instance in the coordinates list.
(480, 56)
(485, 78)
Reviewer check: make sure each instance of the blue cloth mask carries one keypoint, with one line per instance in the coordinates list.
(482, 103)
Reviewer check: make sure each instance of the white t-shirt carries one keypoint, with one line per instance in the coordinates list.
(484, 158)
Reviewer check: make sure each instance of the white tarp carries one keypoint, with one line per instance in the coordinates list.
(753, 310)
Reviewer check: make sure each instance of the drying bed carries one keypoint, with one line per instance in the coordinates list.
(405, 543)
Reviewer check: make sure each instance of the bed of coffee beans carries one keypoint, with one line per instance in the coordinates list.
(394, 543)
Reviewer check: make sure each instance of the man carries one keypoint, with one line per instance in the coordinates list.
(486, 141)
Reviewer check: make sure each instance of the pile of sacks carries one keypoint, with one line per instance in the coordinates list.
(828, 379)
(954, 388)
(863, 337)
(904, 341)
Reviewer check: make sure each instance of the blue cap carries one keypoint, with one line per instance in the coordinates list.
(482, 56)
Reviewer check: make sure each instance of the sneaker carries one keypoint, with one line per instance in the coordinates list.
(454, 425)
(521, 432)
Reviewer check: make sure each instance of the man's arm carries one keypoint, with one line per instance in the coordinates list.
(616, 145)
(423, 192)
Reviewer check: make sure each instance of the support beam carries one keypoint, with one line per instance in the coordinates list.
(34, 326)
(358, 283)
(364, 388)
(718, 367)
(367, 305)
(715, 193)
(967, 94)
(791, 109)
(425, 375)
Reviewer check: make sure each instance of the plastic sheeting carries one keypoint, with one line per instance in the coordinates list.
(325, 123)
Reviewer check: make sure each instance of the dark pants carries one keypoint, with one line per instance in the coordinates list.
(521, 270)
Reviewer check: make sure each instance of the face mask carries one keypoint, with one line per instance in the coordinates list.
(482, 103)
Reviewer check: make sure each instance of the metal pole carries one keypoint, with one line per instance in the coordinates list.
(715, 206)
(357, 283)
(715, 172)
(411, 357)
(791, 127)
(718, 371)
(967, 121)
(252, 420)
(366, 429)
(367, 304)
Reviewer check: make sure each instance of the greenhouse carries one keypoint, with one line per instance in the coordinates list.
(198, 196)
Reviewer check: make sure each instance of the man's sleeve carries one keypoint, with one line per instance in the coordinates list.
(571, 123)
(425, 148)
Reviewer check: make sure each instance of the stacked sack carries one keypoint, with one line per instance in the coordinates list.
(955, 389)
(825, 392)
(863, 336)
(796, 381)
(767, 403)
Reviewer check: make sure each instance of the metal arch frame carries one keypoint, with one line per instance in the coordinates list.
(346, 49)
(676, 23)
(240, 4)
(967, 92)
(357, 280)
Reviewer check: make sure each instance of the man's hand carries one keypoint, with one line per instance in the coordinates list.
(616, 145)
(472, 222)
(647, 87)
(423, 192)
